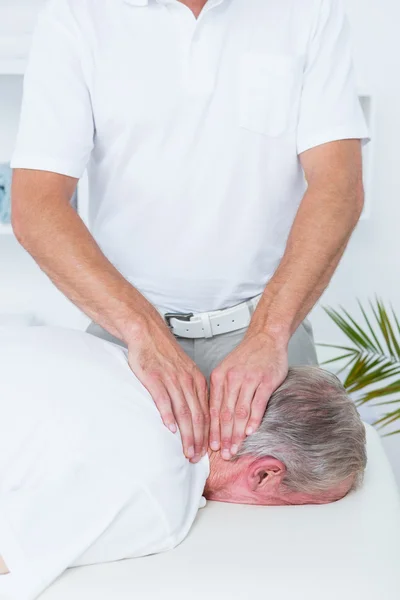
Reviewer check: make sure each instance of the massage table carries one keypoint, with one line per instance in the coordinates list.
(346, 550)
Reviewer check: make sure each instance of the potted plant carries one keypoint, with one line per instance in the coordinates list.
(370, 362)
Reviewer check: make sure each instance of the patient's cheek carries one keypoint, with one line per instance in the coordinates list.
(3, 567)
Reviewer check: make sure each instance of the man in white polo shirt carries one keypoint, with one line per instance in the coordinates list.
(222, 140)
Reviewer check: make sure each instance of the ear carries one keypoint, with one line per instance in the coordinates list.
(265, 473)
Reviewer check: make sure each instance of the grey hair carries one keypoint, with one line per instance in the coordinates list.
(313, 427)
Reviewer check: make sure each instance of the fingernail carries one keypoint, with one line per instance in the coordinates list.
(226, 454)
(214, 446)
(190, 452)
(195, 459)
(234, 449)
(249, 431)
(172, 428)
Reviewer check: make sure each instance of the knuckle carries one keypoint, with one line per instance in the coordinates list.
(233, 376)
(214, 413)
(184, 412)
(242, 412)
(206, 418)
(153, 374)
(260, 401)
(265, 381)
(162, 403)
(251, 376)
(201, 385)
(198, 418)
(186, 380)
(226, 415)
(215, 377)
(172, 378)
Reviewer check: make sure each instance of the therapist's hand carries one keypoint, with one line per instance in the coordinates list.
(240, 389)
(177, 386)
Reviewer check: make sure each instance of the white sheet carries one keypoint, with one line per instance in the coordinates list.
(88, 471)
(349, 550)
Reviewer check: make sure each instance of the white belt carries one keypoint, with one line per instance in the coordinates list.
(208, 324)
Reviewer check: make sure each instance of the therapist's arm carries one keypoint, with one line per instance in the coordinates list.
(243, 383)
(51, 231)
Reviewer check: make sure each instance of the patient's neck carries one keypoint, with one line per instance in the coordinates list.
(220, 473)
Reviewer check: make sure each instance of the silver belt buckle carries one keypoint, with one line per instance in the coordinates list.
(180, 316)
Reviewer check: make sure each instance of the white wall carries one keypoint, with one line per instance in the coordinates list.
(371, 264)
(23, 287)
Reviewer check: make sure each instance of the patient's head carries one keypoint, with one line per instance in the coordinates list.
(309, 449)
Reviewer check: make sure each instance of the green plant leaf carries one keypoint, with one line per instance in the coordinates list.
(367, 341)
(386, 402)
(346, 328)
(387, 419)
(378, 345)
(373, 375)
(383, 323)
(374, 365)
(392, 433)
(394, 342)
(332, 360)
(361, 371)
(338, 347)
(388, 390)
(346, 366)
(396, 320)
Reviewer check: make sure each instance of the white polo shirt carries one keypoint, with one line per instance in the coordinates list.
(191, 131)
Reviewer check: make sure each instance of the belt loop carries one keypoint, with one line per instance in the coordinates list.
(206, 323)
(252, 304)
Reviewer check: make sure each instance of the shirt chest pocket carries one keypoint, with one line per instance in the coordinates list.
(268, 94)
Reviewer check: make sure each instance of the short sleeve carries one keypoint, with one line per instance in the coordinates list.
(330, 109)
(56, 128)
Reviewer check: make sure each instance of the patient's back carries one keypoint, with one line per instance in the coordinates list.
(82, 443)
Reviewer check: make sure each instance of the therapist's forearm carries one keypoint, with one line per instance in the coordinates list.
(320, 233)
(56, 237)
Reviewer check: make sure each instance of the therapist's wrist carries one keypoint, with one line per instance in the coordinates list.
(140, 324)
(277, 332)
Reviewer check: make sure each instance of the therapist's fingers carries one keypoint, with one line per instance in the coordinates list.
(242, 414)
(258, 406)
(232, 386)
(183, 415)
(189, 390)
(216, 397)
(162, 400)
(202, 394)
